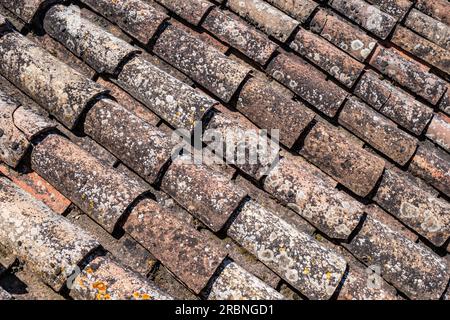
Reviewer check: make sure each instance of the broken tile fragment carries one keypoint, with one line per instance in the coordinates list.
(212, 202)
(346, 36)
(179, 247)
(415, 207)
(98, 48)
(260, 102)
(235, 283)
(296, 257)
(432, 165)
(266, 17)
(48, 242)
(308, 82)
(413, 269)
(204, 64)
(352, 166)
(329, 58)
(136, 143)
(58, 88)
(101, 192)
(378, 131)
(138, 18)
(106, 279)
(231, 29)
(331, 211)
(367, 16)
(408, 73)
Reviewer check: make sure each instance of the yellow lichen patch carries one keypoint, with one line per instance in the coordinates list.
(146, 296)
(306, 271)
(136, 295)
(328, 275)
(100, 286)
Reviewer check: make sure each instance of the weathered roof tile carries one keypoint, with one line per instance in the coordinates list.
(433, 166)
(58, 88)
(48, 242)
(416, 271)
(101, 192)
(234, 31)
(378, 131)
(439, 131)
(268, 109)
(138, 18)
(139, 145)
(295, 256)
(414, 206)
(396, 8)
(438, 9)
(98, 48)
(429, 28)
(354, 167)
(208, 195)
(204, 64)
(333, 212)
(27, 9)
(172, 100)
(181, 248)
(409, 73)
(367, 16)
(308, 82)
(343, 34)
(235, 283)
(105, 279)
(298, 9)
(266, 17)
(192, 11)
(422, 48)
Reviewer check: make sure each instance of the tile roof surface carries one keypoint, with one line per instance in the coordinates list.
(96, 204)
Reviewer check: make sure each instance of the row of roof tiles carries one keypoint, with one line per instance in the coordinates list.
(177, 62)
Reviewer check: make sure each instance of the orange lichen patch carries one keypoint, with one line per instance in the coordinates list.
(100, 286)
(38, 188)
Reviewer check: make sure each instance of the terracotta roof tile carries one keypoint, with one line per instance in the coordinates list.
(348, 37)
(266, 17)
(422, 48)
(105, 279)
(288, 252)
(182, 249)
(85, 180)
(352, 166)
(432, 165)
(439, 131)
(408, 73)
(38, 188)
(322, 53)
(435, 8)
(308, 82)
(213, 206)
(234, 31)
(54, 85)
(138, 18)
(172, 100)
(418, 209)
(431, 29)
(396, 8)
(331, 211)
(202, 63)
(235, 283)
(415, 270)
(298, 9)
(26, 9)
(192, 11)
(367, 16)
(98, 48)
(378, 131)
(53, 238)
